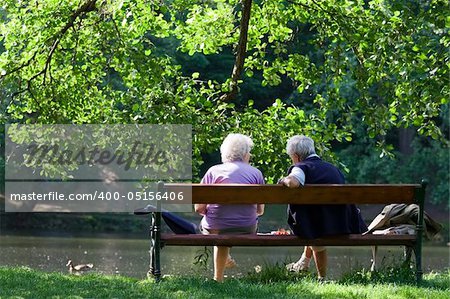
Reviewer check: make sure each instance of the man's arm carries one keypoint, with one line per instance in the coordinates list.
(295, 179)
(290, 181)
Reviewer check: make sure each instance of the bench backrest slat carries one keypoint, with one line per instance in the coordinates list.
(309, 194)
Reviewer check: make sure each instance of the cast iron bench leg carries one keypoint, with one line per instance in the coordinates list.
(420, 200)
(155, 247)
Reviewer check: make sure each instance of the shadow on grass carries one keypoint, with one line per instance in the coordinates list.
(233, 288)
(269, 282)
(399, 275)
(276, 273)
(27, 283)
(439, 281)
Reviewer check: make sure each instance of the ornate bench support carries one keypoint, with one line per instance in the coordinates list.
(155, 241)
(420, 200)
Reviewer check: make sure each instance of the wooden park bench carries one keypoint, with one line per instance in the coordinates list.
(277, 194)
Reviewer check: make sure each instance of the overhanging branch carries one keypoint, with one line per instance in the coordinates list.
(87, 6)
(241, 51)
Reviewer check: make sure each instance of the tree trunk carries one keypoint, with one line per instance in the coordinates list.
(240, 53)
(405, 138)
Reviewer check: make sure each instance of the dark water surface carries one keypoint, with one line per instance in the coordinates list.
(128, 255)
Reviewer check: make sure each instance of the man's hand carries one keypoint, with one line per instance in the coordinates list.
(289, 181)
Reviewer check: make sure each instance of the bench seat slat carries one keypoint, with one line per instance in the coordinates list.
(291, 240)
(309, 194)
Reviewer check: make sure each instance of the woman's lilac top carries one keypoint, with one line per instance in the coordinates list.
(228, 216)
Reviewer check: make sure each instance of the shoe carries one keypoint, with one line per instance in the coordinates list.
(301, 265)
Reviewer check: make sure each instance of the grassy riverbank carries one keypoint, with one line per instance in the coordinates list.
(27, 283)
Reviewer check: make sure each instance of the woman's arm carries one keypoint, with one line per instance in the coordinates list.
(259, 209)
(200, 208)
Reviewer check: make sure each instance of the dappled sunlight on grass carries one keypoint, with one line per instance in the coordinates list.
(269, 282)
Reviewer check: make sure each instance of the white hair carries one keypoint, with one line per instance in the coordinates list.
(235, 147)
(300, 145)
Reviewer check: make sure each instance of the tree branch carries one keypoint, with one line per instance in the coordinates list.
(300, 4)
(25, 64)
(241, 51)
(88, 6)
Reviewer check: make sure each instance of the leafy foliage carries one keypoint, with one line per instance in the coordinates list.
(429, 158)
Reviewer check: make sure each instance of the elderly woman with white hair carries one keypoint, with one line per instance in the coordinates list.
(230, 219)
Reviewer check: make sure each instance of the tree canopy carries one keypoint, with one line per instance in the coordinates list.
(376, 64)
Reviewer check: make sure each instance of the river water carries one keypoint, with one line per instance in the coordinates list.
(128, 255)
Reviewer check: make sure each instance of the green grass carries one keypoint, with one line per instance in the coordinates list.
(270, 283)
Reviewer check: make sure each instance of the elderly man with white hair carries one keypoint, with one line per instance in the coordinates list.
(230, 219)
(315, 221)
